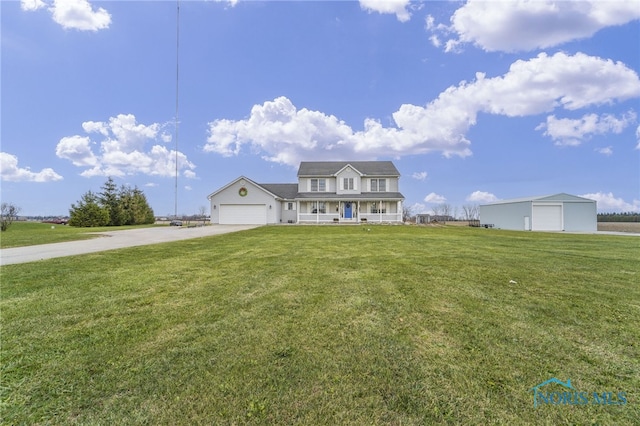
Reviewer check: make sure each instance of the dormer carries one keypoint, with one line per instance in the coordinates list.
(348, 180)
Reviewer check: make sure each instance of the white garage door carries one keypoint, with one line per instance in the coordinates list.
(547, 218)
(243, 214)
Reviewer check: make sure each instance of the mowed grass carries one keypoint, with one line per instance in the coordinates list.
(22, 234)
(325, 325)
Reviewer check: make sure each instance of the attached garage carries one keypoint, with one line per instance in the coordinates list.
(559, 212)
(245, 202)
(243, 214)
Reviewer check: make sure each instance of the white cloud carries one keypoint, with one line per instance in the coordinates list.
(151, 185)
(608, 151)
(573, 132)
(9, 171)
(638, 137)
(231, 3)
(419, 175)
(522, 25)
(31, 5)
(287, 135)
(481, 197)
(397, 7)
(77, 149)
(73, 14)
(123, 150)
(607, 202)
(434, 198)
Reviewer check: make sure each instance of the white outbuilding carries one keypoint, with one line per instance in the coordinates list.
(559, 212)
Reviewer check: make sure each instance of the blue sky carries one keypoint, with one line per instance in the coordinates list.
(473, 101)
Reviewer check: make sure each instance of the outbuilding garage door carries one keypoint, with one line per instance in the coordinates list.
(547, 217)
(243, 214)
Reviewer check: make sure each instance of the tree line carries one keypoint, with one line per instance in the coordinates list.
(619, 217)
(112, 206)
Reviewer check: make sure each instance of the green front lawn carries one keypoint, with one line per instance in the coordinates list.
(325, 325)
(31, 233)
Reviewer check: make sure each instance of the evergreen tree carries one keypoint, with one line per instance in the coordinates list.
(112, 207)
(88, 212)
(134, 207)
(144, 212)
(109, 198)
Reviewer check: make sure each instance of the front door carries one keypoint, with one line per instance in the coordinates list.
(348, 211)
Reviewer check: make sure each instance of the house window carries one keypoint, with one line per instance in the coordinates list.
(290, 206)
(348, 183)
(378, 208)
(318, 207)
(318, 185)
(378, 185)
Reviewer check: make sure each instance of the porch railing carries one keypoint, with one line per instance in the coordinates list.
(362, 217)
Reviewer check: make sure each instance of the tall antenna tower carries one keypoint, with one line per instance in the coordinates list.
(175, 212)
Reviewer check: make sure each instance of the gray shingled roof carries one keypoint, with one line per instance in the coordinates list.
(371, 196)
(329, 168)
(288, 191)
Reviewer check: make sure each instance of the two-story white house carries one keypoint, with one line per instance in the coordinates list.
(326, 192)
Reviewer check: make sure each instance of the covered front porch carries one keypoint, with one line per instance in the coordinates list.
(349, 211)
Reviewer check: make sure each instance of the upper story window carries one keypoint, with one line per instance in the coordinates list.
(347, 183)
(378, 185)
(318, 185)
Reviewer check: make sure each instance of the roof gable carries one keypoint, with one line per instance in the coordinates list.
(331, 168)
(257, 185)
(555, 197)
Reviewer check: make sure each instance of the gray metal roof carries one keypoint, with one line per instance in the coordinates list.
(288, 191)
(330, 168)
(554, 197)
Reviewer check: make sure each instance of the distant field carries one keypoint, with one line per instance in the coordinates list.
(326, 325)
(22, 234)
(619, 227)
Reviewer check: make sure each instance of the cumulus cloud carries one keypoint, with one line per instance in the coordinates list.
(481, 197)
(31, 5)
(122, 150)
(522, 25)
(286, 134)
(607, 202)
(10, 171)
(397, 7)
(419, 175)
(573, 132)
(73, 14)
(434, 198)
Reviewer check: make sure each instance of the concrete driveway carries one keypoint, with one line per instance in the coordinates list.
(113, 240)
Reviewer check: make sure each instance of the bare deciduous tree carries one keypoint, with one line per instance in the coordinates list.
(470, 211)
(407, 213)
(202, 213)
(8, 215)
